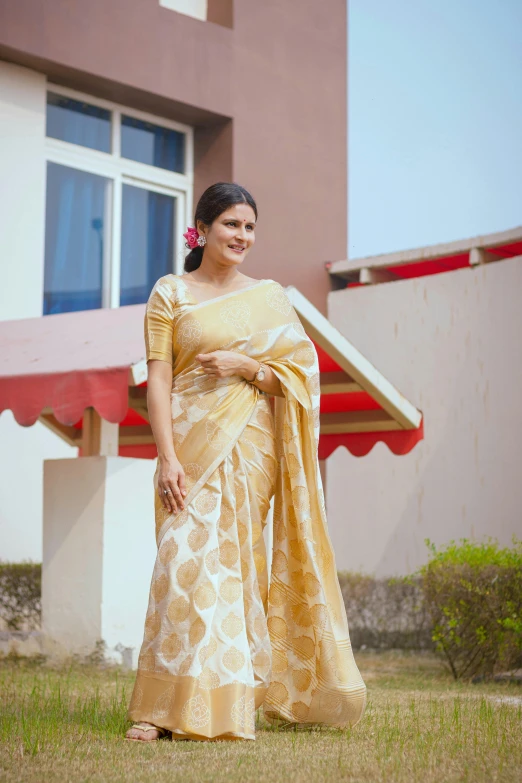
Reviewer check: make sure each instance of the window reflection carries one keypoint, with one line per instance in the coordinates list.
(147, 242)
(74, 239)
(78, 122)
(152, 144)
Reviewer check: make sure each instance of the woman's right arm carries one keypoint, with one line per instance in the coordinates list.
(171, 475)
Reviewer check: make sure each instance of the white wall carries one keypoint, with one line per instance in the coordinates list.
(22, 222)
(451, 343)
(22, 191)
(99, 554)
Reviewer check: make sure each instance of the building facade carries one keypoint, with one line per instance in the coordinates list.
(114, 117)
(444, 324)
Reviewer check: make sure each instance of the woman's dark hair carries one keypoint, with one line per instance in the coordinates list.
(214, 201)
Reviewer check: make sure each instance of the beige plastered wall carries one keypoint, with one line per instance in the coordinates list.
(452, 343)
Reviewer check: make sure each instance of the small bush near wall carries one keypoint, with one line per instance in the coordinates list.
(20, 595)
(386, 613)
(473, 592)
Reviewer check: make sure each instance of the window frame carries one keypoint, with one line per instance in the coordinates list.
(121, 171)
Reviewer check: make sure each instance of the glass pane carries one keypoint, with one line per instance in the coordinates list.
(78, 122)
(148, 143)
(74, 236)
(147, 242)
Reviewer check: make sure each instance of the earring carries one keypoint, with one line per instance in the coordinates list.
(202, 240)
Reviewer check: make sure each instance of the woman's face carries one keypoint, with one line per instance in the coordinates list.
(231, 235)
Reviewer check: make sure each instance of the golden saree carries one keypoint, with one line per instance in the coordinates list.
(218, 643)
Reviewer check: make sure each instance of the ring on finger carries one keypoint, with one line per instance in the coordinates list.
(167, 492)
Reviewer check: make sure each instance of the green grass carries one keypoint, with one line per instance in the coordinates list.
(67, 724)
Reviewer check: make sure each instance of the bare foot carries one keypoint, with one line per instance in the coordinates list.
(143, 735)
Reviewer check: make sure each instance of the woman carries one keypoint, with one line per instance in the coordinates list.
(217, 642)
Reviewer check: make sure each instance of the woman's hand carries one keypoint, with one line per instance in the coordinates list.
(171, 477)
(222, 364)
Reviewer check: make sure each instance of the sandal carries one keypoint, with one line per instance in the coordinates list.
(143, 727)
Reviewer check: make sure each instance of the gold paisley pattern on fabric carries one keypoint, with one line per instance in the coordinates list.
(303, 647)
(187, 574)
(294, 466)
(301, 679)
(207, 651)
(218, 632)
(261, 661)
(186, 665)
(244, 714)
(209, 679)
(228, 553)
(171, 647)
(242, 533)
(196, 713)
(212, 561)
(230, 589)
(232, 625)
(198, 537)
(190, 333)
(260, 625)
(216, 435)
(168, 552)
(278, 300)
(160, 588)
(300, 710)
(205, 596)
(301, 615)
(205, 502)
(226, 519)
(163, 705)
(197, 631)
(277, 627)
(235, 313)
(298, 550)
(277, 691)
(152, 626)
(233, 659)
(179, 610)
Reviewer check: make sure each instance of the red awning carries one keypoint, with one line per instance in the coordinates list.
(358, 443)
(69, 362)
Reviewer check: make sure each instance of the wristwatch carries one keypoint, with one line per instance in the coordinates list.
(260, 374)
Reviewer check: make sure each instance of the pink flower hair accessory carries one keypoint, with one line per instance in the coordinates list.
(193, 238)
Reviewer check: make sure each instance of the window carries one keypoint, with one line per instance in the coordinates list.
(119, 190)
(196, 8)
(217, 11)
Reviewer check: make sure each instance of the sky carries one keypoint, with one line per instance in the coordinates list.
(434, 121)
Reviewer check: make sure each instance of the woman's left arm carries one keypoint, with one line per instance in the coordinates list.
(225, 363)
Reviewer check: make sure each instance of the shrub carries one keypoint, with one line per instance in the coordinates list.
(473, 592)
(20, 595)
(385, 613)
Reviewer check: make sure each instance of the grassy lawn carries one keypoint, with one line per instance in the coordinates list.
(66, 724)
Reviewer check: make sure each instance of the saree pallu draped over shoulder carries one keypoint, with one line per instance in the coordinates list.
(219, 641)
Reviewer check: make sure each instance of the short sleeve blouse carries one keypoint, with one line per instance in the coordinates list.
(159, 320)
